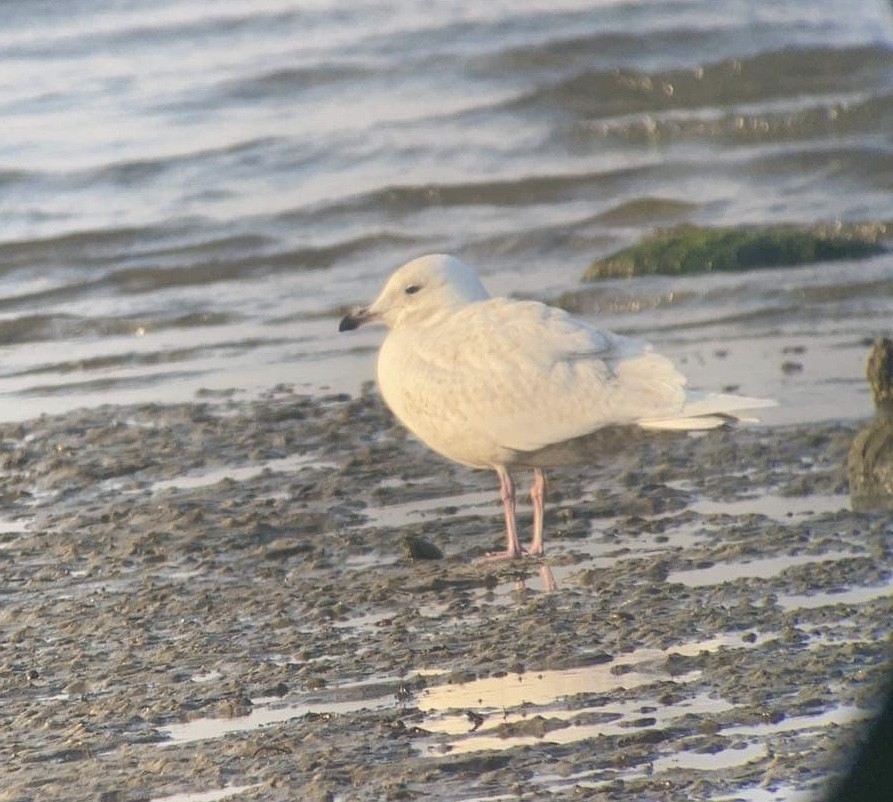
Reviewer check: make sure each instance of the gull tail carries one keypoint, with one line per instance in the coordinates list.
(708, 412)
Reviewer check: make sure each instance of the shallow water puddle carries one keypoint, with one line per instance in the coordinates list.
(709, 761)
(603, 549)
(536, 577)
(372, 559)
(777, 793)
(497, 796)
(693, 761)
(122, 582)
(770, 566)
(751, 746)
(857, 595)
(609, 541)
(608, 546)
(243, 473)
(478, 502)
(800, 724)
(207, 676)
(621, 718)
(205, 796)
(780, 508)
(348, 698)
(12, 526)
(486, 713)
(11, 530)
(365, 621)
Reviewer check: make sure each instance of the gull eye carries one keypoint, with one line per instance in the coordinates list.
(412, 289)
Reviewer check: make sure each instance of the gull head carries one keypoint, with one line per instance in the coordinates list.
(421, 290)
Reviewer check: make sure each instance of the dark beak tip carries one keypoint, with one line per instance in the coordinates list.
(348, 323)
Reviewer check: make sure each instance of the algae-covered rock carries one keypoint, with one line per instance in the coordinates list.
(694, 249)
(870, 461)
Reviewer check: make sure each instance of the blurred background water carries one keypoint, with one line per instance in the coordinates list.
(190, 191)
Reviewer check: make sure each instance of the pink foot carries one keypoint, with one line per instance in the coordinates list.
(512, 555)
(491, 556)
(513, 549)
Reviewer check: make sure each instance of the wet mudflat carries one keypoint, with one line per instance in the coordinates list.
(220, 598)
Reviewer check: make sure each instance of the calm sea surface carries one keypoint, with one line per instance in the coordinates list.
(191, 191)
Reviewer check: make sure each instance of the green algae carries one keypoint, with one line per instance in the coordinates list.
(688, 249)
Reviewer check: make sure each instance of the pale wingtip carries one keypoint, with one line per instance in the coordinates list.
(718, 411)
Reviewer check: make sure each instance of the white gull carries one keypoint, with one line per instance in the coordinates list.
(495, 382)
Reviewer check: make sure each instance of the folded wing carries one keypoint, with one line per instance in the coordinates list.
(534, 376)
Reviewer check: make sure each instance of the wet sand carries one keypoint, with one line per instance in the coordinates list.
(221, 597)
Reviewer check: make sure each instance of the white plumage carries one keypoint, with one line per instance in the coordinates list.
(489, 382)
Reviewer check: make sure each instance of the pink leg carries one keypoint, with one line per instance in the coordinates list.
(507, 491)
(538, 497)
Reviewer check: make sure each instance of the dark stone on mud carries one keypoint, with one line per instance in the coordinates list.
(417, 548)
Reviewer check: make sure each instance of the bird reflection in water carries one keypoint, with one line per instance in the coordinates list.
(870, 461)
(547, 578)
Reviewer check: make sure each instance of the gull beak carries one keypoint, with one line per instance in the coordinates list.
(356, 318)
